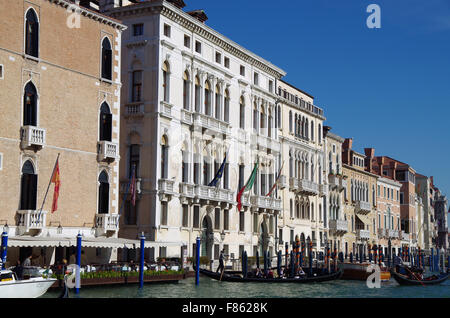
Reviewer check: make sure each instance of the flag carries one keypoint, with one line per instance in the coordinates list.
(219, 173)
(57, 181)
(248, 185)
(276, 181)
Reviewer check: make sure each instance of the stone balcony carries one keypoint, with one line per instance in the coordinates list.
(31, 221)
(107, 151)
(381, 233)
(337, 182)
(393, 234)
(204, 192)
(31, 136)
(187, 190)
(264, 202)
(405, 236)
(166, 189)
(293, 184)
(125, 184)
(264, 142)
(323, 190)
(134, 110)
(363, 234)
(187, 117)
(308, 187)
(338, 226)
(283, 182)
(363, 207)
(165, 109)
(106, 223)
(211, 123)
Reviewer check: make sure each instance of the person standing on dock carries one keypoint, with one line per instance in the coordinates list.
(221, 266)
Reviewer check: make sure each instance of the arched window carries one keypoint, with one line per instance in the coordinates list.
(291, 211)
(30, 105)
(312, 212)
(290, 121)
(218, 112)
(208, 110)
(226, 111)
(242, 113)
(197, 95)
(312, 131)
(296, 125)
(103, 193)
(166, 82)
(269, 125)
(32, 34)
(136, 93)
(279, 117)
(186, 91)
(28, 187)
(319, 133)
(134, 160)
(106, 59)
(306, 131)
(164, 158)
(262, 121)
(105, 123)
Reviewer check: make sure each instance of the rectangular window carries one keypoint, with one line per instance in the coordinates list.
(187, 41)
(255, 222)
(242, 70)
(163, 213)
(216, 251)
(292, 236)
(256, 79)
(217, 219)
(138, 29)
(1, 161)
(226, 218)
(241, 221)
(218, 58)
(227, 62)
(1, 71)
(402, 198)
(241, 176)
(196, 217)
(185, 222)
(137, 86)
(167, 30)
(271, 86)
(400, 175)
(280, 236)
(198, 47)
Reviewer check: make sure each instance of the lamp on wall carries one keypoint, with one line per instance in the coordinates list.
(5, 227)
(222, 235)
(59, 229)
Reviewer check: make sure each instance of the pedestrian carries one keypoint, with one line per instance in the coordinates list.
(221, 266)
(27, 261)
(18, 269)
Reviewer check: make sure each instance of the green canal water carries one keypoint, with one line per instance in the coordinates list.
(209, 288)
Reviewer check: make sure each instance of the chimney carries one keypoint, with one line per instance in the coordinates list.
(177, 3)
(348, 143)
(325, 130)
(106, 5)
(370, 153)
(200, 15)
(393, 165)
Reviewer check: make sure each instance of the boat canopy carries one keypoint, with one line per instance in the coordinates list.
(97, 242)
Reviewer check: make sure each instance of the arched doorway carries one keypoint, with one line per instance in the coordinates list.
(207, 238)
(28, 191)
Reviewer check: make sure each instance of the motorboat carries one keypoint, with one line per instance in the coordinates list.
(32, 286)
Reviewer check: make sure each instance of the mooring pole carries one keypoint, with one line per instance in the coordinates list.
(77, 270)
(141, 262)
(197, 262)
(4, 248)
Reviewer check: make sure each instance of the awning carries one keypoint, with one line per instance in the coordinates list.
(365, 219)
(97, 242)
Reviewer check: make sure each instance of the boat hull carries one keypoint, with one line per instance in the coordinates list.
(403, 280)
(30, 288)
(227, 277)
(359, 272)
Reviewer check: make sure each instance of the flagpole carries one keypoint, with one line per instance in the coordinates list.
(45, 197)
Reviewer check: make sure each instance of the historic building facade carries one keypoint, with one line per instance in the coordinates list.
(427, 231)
(60, 93)
(192, 97)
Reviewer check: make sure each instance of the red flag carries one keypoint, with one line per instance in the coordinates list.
(56, 180)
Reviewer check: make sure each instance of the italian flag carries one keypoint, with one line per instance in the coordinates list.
(248, 185)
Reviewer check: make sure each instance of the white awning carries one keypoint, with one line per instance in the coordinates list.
(97, 242)
(365, 219)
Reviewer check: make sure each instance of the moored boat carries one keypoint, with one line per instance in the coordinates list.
(33, 287)
(237, 277)
(358, 271)
(431, 280)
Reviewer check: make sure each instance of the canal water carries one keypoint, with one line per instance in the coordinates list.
(209, 288)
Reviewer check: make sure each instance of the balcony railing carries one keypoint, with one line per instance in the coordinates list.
(363, 234)
(107, 150)
(293, 184)
(107, 222)
(166, 185)
(124, 185)
(363, 207)
(211, 123)
(393, 233)
(265, 202)
(333, 181)
(134, 110)
(187, 117)
(31, 220)
(187, 189)
(323, 190)
(166, 109)
(265, 142)
(213, 193)
(283, 182)
(31, 136)
(339, 226)
(308, 187)
(405, 236)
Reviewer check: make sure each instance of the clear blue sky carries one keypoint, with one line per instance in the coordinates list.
(387, 88)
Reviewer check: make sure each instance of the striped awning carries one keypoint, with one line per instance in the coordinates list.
(364, 218)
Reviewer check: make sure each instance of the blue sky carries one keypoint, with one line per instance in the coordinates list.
(388, 88)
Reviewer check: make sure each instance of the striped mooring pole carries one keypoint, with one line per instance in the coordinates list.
(141, 262)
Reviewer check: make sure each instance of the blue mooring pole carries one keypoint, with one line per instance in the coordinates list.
(197, 262)
(77, 270)
(432, 260)
(4, 248)
(141, 262)
(438, 263)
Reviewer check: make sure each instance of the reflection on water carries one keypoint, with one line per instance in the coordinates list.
(210, 288)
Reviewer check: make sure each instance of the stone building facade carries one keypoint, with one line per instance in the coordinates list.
(60, 93)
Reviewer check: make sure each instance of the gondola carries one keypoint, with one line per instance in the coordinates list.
(404, 280)
(237, 278)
